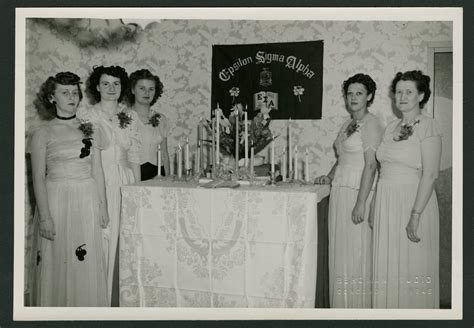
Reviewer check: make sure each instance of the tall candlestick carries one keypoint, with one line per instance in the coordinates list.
(213, 148)
(306, 166)
(283, 166)
(246, 138)
(180, 162)
(159, 160)
(172, 163)
(237, 141)
(251, 160)
(295, 166)
(200, 148)
(186, 156)
(272, 156)
(218, 118)
(199, 157)
(290, 146)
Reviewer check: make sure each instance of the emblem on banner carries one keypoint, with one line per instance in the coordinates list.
(265, 99)
(265, 77)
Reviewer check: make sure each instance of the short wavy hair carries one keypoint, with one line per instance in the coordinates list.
(365, 80)
(45, 107)
(144, 74)
(98, 71)
(421, 80)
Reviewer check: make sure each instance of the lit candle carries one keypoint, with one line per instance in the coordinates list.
(246, 138)
(159, 160)
(306, 166)
(272, 156)
(295, 166)
(180, 162)
(186, 156)
(251, 160)
(237, 141)
(283, 166)
(289, 146)
(218, 118)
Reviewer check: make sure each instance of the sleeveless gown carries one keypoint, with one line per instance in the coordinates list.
(406, 274)
(350, 245)
(62, 278)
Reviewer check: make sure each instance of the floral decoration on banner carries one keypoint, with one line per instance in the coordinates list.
(406, 130)
(125, 119)
(87, 130)
(234, 93)
(155, 120)
(298, 90)
(353, 128)
(259, 134)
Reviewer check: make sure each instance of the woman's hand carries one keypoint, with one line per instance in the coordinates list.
(323, 179)
(104, 216)
(358, 213)
(372, 213)
(47, 229)
(412, 227)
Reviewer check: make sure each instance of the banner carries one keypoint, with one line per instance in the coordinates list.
(284, 79)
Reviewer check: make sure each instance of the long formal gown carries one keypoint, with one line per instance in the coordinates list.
(406, 274)
(350, 245)
(63, 278)
(120, 148)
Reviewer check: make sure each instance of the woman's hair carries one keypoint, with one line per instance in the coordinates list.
(98, 71)
(364, 79)
(43, 103)
(144, 74)
(422, 83)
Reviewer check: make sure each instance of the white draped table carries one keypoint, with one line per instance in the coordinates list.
(186, 246)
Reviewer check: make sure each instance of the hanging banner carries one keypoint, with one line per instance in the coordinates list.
(283, 79)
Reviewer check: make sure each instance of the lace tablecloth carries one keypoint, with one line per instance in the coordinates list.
(186, 246)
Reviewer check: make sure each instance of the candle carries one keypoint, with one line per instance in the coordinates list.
(213, 149)
(289, 146)
(172, 163)
(218, 117)
(251, 160)
(306, 166)
(199, 157)
(159, 160)
(200, 149)
(295, 166)
(237, 141)
(180, 162)
(186, 156)
(283, 166)
(246, 138)
(272, 156)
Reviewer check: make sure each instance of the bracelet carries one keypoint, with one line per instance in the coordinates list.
(413, 212)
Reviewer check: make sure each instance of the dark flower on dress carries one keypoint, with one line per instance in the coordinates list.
(155, 120)
(81, 252)
(406, 130)
(87, 130)
(124, 119)
(353, 128)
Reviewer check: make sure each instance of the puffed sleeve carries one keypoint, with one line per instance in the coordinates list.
(372, 133)
(134, 150)
(427, 128)
(37, 135)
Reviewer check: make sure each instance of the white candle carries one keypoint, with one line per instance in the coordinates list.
(246, 138)
(295, 166)
(251, 160)
(186, 156)
(199, 142)
(172, 163)
(198, 155)
(218, 118)
(283, 166)
(289, 146)
(159, 160)
(272, 156)
(306, 166)
(237, 141)
(213, 149)
(180, 162)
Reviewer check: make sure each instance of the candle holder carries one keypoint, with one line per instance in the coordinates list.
(272, 181)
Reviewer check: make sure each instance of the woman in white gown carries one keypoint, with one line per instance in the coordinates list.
(352, 181)
(71, 205)
(120, 157)
(153, 126)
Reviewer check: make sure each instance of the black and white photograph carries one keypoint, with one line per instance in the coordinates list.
(238, 163)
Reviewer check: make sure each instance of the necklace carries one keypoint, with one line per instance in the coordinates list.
(65, 118)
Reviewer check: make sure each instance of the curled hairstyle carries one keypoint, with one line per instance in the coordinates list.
(422, 83)
(144, 74)
(365, 80)
(45, 106)
(98, 71)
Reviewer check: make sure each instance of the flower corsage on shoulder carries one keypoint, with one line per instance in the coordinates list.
(125, 119)
(406, 130)
(87, 130)
(155, 119)
(353, 127)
